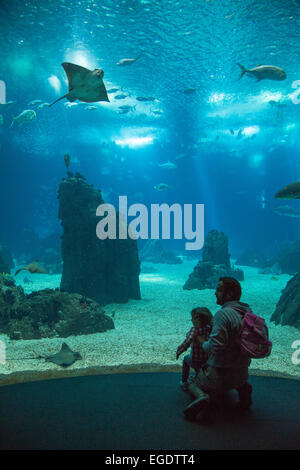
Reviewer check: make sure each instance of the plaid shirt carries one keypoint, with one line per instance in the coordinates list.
(198, 353)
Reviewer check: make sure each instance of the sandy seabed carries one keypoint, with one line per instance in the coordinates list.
(148, 331)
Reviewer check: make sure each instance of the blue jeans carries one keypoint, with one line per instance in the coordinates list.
(186, 365)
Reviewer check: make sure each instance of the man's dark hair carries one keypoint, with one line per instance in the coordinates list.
(231, 284)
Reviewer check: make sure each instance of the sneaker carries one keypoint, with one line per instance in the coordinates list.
(196, 406)
(245, 392)
(184, 386)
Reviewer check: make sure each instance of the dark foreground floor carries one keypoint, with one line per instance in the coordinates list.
(143, 411)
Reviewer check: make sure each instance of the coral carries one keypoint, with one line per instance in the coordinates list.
(48, 313)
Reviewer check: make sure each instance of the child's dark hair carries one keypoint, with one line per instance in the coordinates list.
(201, 316)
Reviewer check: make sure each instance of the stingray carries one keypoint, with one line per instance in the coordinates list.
(84, 84)
(65, 357)
(33, 268)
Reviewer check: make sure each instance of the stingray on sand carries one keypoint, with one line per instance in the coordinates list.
(33, 268)
(65, 357)
(84, 84)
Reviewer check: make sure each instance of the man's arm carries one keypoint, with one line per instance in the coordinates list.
(218, 338)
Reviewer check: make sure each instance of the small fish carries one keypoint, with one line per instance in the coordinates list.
(291, 191)
(189, 91)
(125, 108)
(26, 116)
(33, 268)
(112, 90)
(1, 120)
(162, 187)
(8, 104)
(262, 72)
(168, 165)
(70, 105)
(43, 105)
(120, 97)
(67, 160)
(157, 112)
(34, 102)
(179, 156)
(124, 62)
(90, 108)
(145, 98)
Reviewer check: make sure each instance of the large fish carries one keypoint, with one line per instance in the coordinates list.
(262, 72)
(26, 116)
(287, 211)
(291, 191)
(84, 84)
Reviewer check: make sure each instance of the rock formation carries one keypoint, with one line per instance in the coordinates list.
(215, 264)
(104, 270)
(48, 313)
(287, 310)
(289, 259)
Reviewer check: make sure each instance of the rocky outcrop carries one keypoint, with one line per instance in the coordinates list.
(215, 249)
(154, 252)
(104, 270)
(287, 310)
(215, 264)
(48, 313)
(289, 259)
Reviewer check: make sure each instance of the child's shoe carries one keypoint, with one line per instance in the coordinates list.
(196, 406)
(184, 386)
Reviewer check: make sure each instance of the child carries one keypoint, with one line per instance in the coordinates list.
(202, 321)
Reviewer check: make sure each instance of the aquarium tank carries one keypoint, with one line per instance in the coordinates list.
(147, 148)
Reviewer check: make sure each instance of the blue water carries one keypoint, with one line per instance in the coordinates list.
(235, 148)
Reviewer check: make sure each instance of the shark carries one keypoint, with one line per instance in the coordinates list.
(285, 210)
(168, 165)
(84, 84)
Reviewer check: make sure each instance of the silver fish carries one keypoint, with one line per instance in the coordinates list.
(262, 72)
(26, 116)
